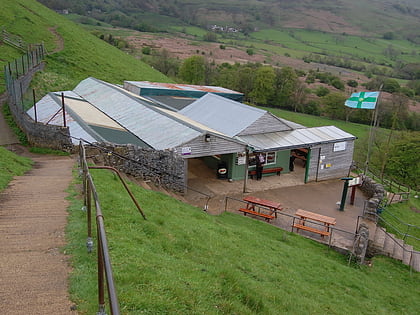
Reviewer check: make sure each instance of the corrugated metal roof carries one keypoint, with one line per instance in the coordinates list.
(184, 87)
(222, 114)
(148, 123)
(49, 110)
(296, 138)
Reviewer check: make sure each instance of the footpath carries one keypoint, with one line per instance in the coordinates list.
(33, 214)
(34, 271)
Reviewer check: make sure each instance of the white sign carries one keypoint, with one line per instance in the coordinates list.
(339, 146)
(355, 181)
(186, 150)
(241, 160)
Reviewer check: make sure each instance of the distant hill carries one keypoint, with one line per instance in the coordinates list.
(355, 17)
(74, 53)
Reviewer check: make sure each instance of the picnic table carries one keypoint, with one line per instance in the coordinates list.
(255, 205)
(304, 216)
(301, 154)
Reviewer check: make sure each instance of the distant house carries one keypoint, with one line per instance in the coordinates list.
(207, 123)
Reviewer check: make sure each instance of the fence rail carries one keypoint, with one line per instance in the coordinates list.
(288, 219)
(389, 183)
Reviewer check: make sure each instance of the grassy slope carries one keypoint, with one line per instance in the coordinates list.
(84, 55)
(183, 261)
(11, 165)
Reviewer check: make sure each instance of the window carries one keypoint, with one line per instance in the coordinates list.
(270, 158)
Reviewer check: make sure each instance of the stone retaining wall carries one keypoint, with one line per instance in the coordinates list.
(161, 167)
(38, 134)
(376, 194)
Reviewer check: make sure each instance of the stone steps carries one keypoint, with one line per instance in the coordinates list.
(396, 248)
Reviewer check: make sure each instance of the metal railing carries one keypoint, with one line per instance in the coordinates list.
(389, 226)
(156, 179)
(378, 217)
(103, 257)
(390, 184)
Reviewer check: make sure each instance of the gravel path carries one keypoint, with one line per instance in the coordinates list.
(34, 271)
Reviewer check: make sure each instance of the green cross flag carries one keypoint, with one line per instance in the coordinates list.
(365, 100)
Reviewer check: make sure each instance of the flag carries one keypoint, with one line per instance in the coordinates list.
(365, 100)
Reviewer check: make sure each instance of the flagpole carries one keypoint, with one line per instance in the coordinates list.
(373, 126)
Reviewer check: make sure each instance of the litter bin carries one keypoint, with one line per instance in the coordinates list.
(222, 171)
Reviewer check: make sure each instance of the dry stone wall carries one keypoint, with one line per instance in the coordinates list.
(164, 168)
(376, 194)
(38, 134)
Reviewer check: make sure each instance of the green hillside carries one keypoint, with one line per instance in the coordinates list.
(185, 261)
(353, 17)
(83, 54)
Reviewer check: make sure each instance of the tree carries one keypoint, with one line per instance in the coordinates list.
(334, 105)
(403, 162)
(193, 70)
(163, 62)
(391, 86)
(244, 80)
(263, 89)
(286, 85)
(321, 91)
(352, 83)
(210, 37)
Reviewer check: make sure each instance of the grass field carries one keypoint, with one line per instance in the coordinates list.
(350, 46)
(184, 261)
(11, 165)
(83, 54)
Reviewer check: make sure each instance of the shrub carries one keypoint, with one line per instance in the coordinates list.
(146, 50)
(250, 51)
(352, 83)
(322, 91)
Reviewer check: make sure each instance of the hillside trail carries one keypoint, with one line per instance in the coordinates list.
(34, 270)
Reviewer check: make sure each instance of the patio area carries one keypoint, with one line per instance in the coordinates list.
(288, 189)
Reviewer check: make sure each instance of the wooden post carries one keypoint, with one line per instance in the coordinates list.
(64, 110)
(246, 169)
(33, 94)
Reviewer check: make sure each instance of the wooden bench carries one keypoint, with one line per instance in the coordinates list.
(310, 229)
(276, 170)
(267, 217)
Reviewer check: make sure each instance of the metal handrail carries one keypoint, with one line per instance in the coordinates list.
(108, 152)
(104, 262)
(404, 235)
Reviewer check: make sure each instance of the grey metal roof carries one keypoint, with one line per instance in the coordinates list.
(224, 115)
(175, 89)
(175, 103)
(307, 137)
(134, 113)
(49, 110)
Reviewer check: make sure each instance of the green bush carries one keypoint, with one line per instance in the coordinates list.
(322, 91)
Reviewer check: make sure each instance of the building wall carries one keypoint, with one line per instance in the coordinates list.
(329, 161)
(162, 167)
(237, 171)
(215, 145)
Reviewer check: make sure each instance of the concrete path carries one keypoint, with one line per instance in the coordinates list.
(288, 189)
(33, 269)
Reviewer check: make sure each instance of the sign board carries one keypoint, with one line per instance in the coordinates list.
(339, 146)
(240, 160)
(186, 150)
(355, 181)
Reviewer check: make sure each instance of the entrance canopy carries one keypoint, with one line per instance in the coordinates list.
(297, 138)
